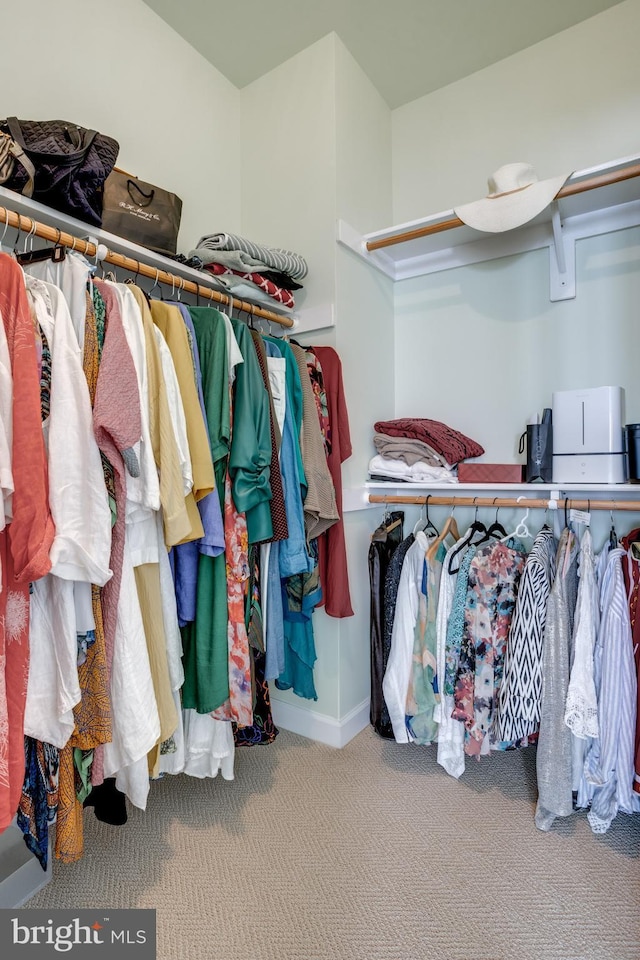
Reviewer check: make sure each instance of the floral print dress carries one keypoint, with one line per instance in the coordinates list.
(494, 576)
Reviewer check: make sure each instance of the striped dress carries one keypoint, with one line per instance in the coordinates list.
(521, 689)
(609, 762)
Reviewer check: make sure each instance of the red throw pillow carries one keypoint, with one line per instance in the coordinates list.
(450, 443)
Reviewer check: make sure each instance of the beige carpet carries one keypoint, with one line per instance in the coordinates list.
(368, 853)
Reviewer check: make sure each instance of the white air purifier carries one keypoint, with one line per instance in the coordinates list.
(588, 439)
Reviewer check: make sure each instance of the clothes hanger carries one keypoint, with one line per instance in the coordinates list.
(29, 235)
(156, 283)
(428, 527)
(613, 536)
(522, 530)
(6, 227)
(387, 524)
(476, 527)
(495, 531)
(450, 528)
(56, 254)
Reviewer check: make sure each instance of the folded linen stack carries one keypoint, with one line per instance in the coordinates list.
(251, 271)
(418, 450)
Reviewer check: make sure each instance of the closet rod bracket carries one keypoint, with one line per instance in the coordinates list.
(562, 260)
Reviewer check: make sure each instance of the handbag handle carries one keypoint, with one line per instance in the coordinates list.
(147, 196)
(61, 159)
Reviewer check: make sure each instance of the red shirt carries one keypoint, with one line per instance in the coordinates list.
(334, 576)
(631, 571)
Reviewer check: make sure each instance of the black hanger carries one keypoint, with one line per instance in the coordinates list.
(613, 536)
(429, 527)
(476, 527)
(56, 254)
(496, 530)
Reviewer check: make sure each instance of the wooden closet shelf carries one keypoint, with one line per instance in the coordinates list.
(592, 202)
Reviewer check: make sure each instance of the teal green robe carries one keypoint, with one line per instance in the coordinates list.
(250, 459)
(206, 653)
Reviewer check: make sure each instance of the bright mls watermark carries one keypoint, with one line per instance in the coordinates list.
(83, 934)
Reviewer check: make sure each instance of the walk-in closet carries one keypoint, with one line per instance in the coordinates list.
(320, 480)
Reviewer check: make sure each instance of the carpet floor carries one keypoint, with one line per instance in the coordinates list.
(367, 853)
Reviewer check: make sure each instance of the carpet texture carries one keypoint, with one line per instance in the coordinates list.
(367, 853)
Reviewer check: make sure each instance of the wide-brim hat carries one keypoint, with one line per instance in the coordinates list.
(516, 196)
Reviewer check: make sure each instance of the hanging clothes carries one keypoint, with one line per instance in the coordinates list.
(205, 643)
(609, 764)
(169, 321)
(250, 456)
(581, 709)
(423, 695)
(25, 544)
(493, 580)
(334, 574)
(165, 427)
(384, 541)
(631, 572)
(554, 757)
(450, 731)
(518, 714)
(320, 509)
(396, 677)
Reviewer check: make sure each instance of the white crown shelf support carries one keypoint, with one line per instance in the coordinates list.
(595, 201)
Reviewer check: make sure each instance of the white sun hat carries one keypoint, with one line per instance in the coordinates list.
(516, 196)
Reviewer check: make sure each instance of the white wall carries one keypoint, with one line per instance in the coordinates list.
(289, 200)
(364, 335)
(482, 347)
(288, 151)
(120, 69)
(567, 103)
(324, 136)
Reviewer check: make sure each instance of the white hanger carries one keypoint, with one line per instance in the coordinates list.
(6, 227)
(522, 530)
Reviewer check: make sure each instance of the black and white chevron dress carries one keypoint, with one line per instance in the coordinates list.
(520, 691)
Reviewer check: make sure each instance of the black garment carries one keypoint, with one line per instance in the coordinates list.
(108, 803)
(391, 582)
(263, 729)
(280, 279)
(384, 542)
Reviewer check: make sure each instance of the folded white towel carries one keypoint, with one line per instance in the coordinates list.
(419, 472)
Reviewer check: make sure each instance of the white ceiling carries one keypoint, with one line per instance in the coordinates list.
(407, 47)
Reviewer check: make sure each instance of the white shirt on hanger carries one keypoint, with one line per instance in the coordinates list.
(70, 277)
(81, 549)
(396, 678)
(176, 410)
(135, 719)
(450, 731)
(77, 494)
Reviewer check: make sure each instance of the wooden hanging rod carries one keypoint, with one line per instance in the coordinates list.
(533, 503)
(55, 235)
(568, 190)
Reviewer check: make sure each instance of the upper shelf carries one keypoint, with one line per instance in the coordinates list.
(594, 201)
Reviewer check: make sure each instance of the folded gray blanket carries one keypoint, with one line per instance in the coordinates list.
(284, 260)
(411, 451)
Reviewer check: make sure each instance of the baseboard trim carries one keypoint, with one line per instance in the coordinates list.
(319, 726)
